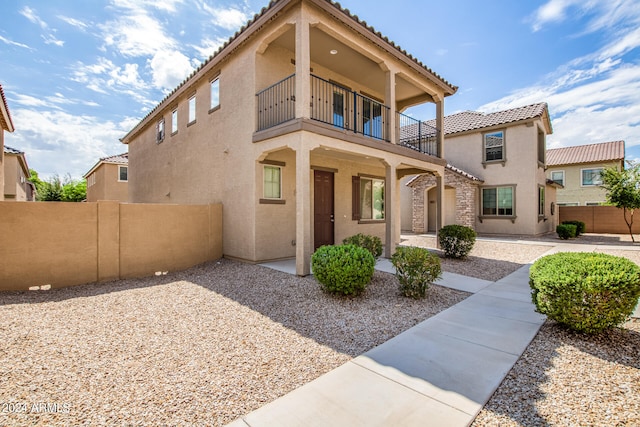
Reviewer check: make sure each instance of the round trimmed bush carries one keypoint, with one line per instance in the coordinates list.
(566, 231)
(585, 291)
(343, 269)
(456, 240)
(416, 268)
(580, 226)
(371, 243)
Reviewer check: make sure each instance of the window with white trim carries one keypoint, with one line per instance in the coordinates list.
(123, 172)
(192, 109)
(272, 182)
(494, 146)
(557, 177)
(215, 93)
(498, 201)
(174, 121)
(160, 131)
(591, 177)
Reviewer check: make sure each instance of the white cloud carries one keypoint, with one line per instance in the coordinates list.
(137, 5)
(106, 77)
(32, 16)
(73, 22)
(51, 39)
(169, 68)
(603, 13)
(208, 46)
(227, 18)
(136, 35)
(12, 43)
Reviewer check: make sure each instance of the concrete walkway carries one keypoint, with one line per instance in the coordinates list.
(440, 372)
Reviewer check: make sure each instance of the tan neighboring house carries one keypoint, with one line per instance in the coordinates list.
(17, 186)
(108, 179)
(578, 170)
(294, 125)
(495, 181)
(5, 125)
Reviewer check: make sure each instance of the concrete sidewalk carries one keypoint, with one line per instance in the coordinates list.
(440, 372)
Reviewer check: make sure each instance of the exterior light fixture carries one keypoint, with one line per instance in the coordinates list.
(333, 52)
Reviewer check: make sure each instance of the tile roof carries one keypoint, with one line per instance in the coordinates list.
(121, 159)
(5, 117)
(474, 120)
(591, 153)
(252, 23)
(10, 150)
(452, 169)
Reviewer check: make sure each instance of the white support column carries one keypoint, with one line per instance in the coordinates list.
(390, 95)
(440, 126)
(303, 66)
(391, 210)
(303, 210)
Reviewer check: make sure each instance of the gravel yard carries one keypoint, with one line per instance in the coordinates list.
(210, 344)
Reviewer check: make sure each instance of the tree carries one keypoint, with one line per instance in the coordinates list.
(623, 191)
(56, 190)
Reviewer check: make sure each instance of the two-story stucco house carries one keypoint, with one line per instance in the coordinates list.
(294, 126)
(108, 179)
(495, 181)
(578, 169)
(6, 124)
(17, 186)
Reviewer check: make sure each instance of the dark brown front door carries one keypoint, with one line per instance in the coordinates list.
(323, 208)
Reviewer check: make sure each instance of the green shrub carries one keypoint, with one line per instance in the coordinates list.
(456, 240)
(566, 231)
(415, 269)
(587, 292)
(580, 226)
(371, 243)
(343, 269)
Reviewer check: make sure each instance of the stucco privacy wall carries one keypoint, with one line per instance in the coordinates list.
(66, 244)
(599, 219)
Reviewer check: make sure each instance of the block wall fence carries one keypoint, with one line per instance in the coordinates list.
(56, 244)
(600, 219)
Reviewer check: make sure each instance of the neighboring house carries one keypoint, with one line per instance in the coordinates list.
(498, 179)
(17, 186)
(109, 179)
(5, 125)
(294, 125)
(578, 169)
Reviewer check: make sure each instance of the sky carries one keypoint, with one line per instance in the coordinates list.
(78, 75)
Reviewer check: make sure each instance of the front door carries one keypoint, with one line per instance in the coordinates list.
(323, 208)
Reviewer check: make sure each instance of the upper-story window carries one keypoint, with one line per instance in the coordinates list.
(160, 131)
(557, 177)
(123, 173)
(591, 177)
(542, 145)
(192, 109)
(174, 121)
(215, 93)
(494, 146)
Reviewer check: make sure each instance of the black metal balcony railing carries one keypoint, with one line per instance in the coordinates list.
(276, 104)
(417, 135)
(345, 109)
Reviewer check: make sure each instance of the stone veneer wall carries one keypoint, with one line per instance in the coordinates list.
(466, 197)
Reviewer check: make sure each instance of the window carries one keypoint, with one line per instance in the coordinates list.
(160, 131)
(192, 109)
(368, 198)
(498, 201)
(174, 121)
(122, 173)
(494, 146)
(215, 93)
(540, 200)
(272, 182)
(591, 177)
(557, 177)
(541, 146)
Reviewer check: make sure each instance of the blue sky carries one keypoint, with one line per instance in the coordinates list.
(78, 75)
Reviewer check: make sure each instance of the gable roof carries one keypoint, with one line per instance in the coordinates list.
(9, 150)
(473, 120)
(5, 116)
(118, 159)
(21, 158)
(591, 153)
(269, 13)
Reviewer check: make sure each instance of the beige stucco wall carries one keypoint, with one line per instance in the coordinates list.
(15, 180)
(109, 241)
(107, 186)
(1, 163)
(574, 191)
(521, 170)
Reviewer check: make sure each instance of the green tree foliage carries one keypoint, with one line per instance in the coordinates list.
(56, 190)
(623, 191)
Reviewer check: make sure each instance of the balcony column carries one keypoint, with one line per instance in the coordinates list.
(440, 125)
(303, 209)
(303, 65)
(390, 95)
(392, 215)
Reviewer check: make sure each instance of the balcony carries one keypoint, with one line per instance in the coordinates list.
(345, 109)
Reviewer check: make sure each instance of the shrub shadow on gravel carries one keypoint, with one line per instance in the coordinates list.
(567, 378)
